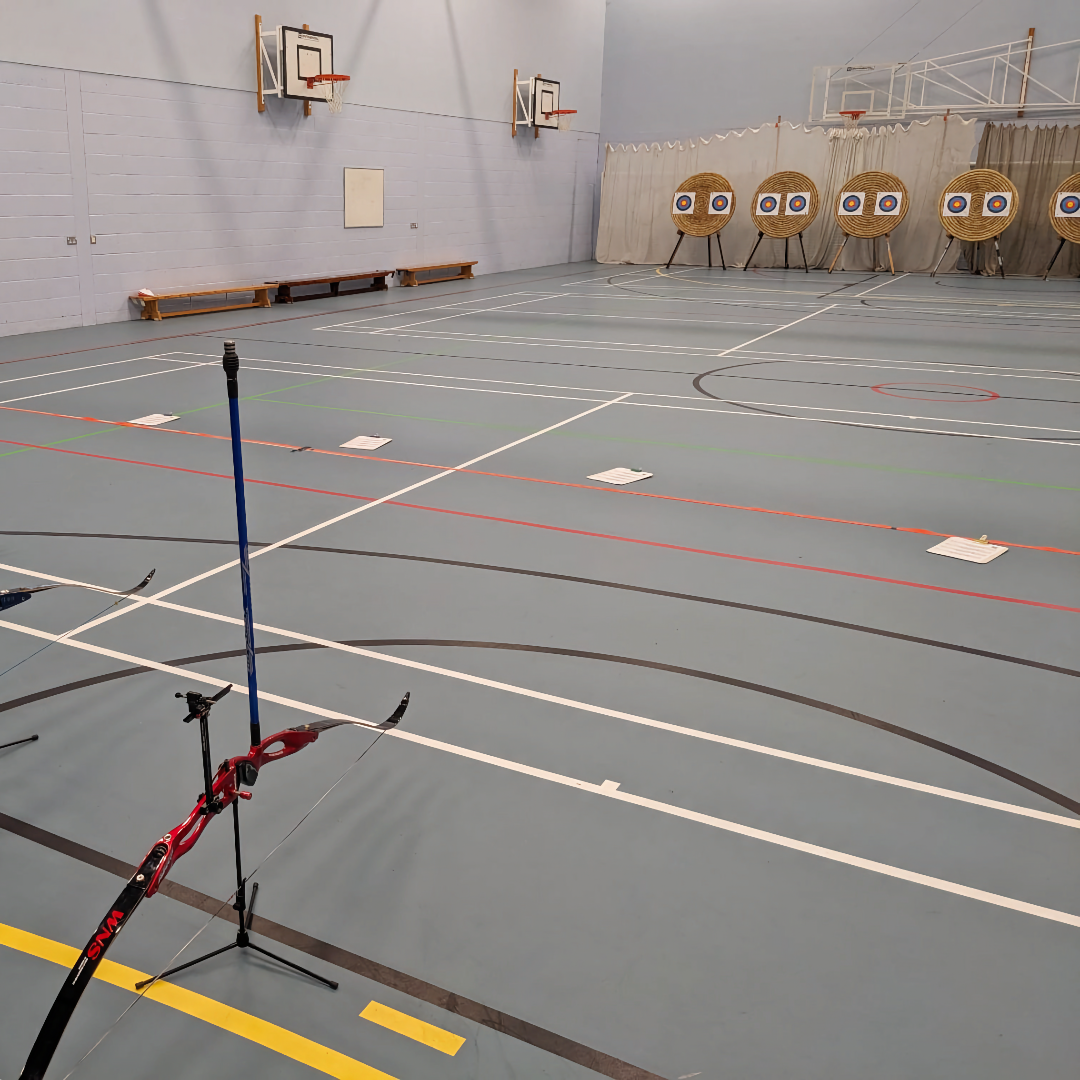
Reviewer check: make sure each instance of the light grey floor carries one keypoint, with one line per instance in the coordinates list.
(810, 922)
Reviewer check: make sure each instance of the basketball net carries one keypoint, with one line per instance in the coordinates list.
(852, 118)
(332, 88)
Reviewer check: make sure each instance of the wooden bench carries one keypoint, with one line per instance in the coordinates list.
(150, 309)
(407, 274)
(378, 283)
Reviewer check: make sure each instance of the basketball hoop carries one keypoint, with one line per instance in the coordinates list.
(332, 87)
(563, 115)
(852, 117)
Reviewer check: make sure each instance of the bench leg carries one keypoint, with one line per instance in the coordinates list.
(334, 287)
(379, 282)
(284, 294)
(262, 298)
(466, 272)
(150, 309)
(408, 278)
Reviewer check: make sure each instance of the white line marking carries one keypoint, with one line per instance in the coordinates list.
(352, 513)
(85, 367)
(888, 281)
(107, 382)
(583, 706)
(472, 311)
(608, 792)
(786, 326)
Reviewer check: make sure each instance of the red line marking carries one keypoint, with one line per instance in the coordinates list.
(564, 529)
(884, 388)
(538, 480)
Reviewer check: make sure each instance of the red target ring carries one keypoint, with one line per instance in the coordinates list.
(912, 392)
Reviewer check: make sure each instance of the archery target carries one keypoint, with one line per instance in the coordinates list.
(798, 202)
(1068, 205)
(851, 203)
(719, 202)
(768, 204)
(888, 203)
(997, 204)
(956, 204)
(684, 202)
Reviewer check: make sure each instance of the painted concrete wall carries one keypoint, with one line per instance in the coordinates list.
(453, 57)
(687, 68)
(184, 183)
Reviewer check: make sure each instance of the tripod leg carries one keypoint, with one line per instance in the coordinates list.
(296, 967)
(721, 250)
(677, 243)
(1001, 265)
(943, 254)
(190, 963)
(251, 906)
(837, 255)
(888, 245)
(746, 265)
(806, 265)
(1054, 259)
(708, 249)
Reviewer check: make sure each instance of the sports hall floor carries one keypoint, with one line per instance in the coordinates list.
(716, 775)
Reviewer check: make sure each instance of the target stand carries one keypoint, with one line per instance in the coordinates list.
(979, 205)
(702, 206)
(1065, 215)
(869, 206)
(785, 204)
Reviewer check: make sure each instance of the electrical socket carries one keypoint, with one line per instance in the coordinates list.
(413, 225)
(73, 239)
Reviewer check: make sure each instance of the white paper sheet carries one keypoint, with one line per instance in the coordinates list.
(154, 419)
(960, 547)
(620, 476)
(365, 442)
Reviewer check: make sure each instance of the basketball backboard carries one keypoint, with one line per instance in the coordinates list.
(304, 54)
(545, 103)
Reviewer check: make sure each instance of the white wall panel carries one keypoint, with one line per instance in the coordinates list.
(38, 269)
(188, 186)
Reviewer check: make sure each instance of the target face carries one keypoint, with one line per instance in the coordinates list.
(768, 205)
(957, 204)
(684, 202)
(888, 203)
(997, 203)
(1068, 205)
(798, 202)
(720, 202)
(851, 203)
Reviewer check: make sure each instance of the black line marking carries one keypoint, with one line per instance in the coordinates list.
(597, 582)
(551, 650)
(521, 1030)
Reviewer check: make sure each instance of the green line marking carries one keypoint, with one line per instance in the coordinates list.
(568, 434)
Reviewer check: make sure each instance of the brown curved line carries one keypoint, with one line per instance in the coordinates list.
(550, 650)
(598, 582)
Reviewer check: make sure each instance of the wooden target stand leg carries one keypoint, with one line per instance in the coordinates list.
(1001, 264)
(720, 250)
(888, 248)
(943, 254)
(676, 248)
(1061, 244)
(746, 265)
(836, 257)
(806, 265)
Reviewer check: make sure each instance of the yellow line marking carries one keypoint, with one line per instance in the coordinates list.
(287, 1043)
(411, 1028)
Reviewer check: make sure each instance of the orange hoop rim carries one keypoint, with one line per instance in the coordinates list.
(559, 112)
(325, 78)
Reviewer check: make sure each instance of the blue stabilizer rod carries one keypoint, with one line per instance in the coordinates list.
(231, 363)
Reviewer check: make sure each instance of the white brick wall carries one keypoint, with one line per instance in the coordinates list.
(190, 185)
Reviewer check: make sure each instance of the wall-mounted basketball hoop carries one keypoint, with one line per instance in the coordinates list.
(297, 62)
(536, 105)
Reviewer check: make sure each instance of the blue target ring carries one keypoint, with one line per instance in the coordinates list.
(888, 203)
(796, 203)
(768, 204)
(956, 204)
(1070, 204)
(684, 204)
(720, 203)
(852, 203)
(997, 204)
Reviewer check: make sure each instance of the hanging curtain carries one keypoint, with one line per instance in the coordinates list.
(639, 181)
(1036, 160)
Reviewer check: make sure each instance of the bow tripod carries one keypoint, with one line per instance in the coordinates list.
(246, 773)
